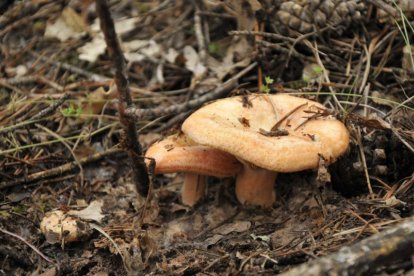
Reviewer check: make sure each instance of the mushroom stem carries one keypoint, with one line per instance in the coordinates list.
(254, 186)
(193, 189)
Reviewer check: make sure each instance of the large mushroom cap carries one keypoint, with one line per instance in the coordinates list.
(242, 126)
(177, 153)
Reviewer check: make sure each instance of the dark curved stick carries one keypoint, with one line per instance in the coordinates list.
(132, 145)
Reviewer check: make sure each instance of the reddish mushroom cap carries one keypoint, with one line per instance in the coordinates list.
(177, 153)
(180, 154)
(277, 133)
(242, 126)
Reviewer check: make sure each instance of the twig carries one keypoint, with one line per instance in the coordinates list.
(71, 68)
(363, 160)
(71, 150)
(21, 10)
(133, 146)
(375, 230)
(280, 121)
(28, 244)
(402, 139)
(279, 48)
(225, 256)
(29, 79)
(263, 34)
(138, 113)
(365, 256)
(175, 120)
(106, 235)
(52, 108)
(384, 6)
(257, 38)
(66, 168)
(199, 34)
(216, 14)
(325, 73)
(21, 21)
(257, 253)
(37, 117)
(217, 225)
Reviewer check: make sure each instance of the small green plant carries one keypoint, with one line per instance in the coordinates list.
(311, 72)
(213, 48)
(4, 215)
(266, 86)
(216, 49)
(71, 110)
(141, 7)
(19, 209)
(405, 27)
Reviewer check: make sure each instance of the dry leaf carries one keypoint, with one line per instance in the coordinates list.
(193, 63)
(244, 11)
(213, 240)
(138, 50)
(92, 50)
(68, 25)
(74, 20)
(122, 25)
(263, 238)
(92, 212)
(97, 100)
(237, 226)
(171, 55)
(237, 56)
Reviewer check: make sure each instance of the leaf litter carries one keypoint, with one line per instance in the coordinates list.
(316, 213)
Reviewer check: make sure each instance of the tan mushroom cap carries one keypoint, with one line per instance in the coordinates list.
(57, 226)
(177, 153)
(233, 126)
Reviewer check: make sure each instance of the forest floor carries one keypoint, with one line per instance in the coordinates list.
(60, 136)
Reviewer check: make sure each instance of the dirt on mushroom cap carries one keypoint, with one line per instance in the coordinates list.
(237, 128)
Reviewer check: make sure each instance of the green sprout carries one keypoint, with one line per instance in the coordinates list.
(311, 72)
(213, 48)
(71, 111)
(266, 86)
(4, 215)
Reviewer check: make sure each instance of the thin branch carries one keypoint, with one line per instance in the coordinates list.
(28, 244)
(138, 113)
(52, 108)
(71, 68)
(279, 48)
(384, 6)
(63, 169)
(364, 257)
(134, 149)
(264, 34)
(199, 34)
(37, 117)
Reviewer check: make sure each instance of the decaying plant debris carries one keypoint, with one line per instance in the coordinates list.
(62, 148)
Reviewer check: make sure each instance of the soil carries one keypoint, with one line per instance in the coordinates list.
(62, 145)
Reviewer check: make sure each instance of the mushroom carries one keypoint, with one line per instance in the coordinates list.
(177, 153)
(268, 134)
(58, 226)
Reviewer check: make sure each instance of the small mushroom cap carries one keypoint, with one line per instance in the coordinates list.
(57, 226)
(177, 153)
(242, 126)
